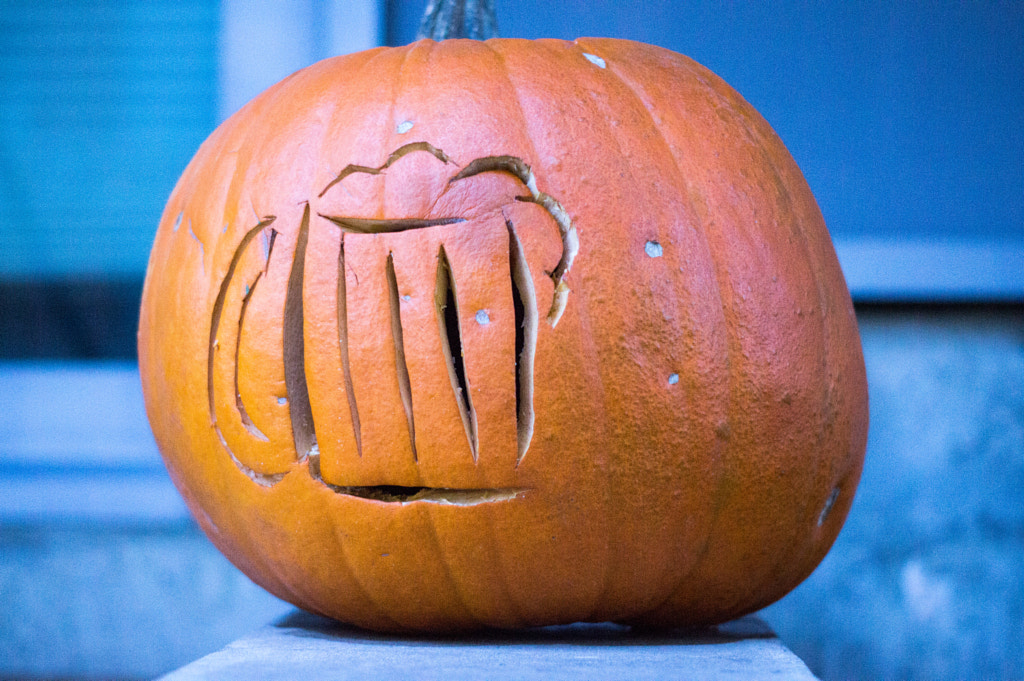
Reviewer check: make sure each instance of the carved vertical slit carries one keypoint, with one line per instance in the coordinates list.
(218, 309)
(404, 385)
(445, 302)
(524, 301)
(300, 411)
(346, 366)
(243, 413)
(263, 479)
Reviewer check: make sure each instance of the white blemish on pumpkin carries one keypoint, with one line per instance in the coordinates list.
(177, 222)
(202, 248)
(282, 400)
(673, 379)
(653, 249)
(483, 318)
(404, 127)
(595, 60)
(823, 516)
(406, 298)
(206, 521)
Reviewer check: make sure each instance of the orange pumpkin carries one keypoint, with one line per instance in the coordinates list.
(505, 333)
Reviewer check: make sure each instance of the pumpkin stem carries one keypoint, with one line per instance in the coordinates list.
(445, 19)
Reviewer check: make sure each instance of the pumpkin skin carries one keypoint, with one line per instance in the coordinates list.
(672, 438)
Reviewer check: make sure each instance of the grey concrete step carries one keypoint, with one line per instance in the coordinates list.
(304, 646)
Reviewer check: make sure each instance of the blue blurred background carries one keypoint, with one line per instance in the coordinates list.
(906, 118)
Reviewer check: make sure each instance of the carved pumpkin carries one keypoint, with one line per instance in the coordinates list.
(512, 333)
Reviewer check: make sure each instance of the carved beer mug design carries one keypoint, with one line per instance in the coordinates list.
(361, 265)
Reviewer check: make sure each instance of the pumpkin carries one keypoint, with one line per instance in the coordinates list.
(495, 334)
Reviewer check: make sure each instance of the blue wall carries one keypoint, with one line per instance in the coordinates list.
(103, 103)
(907, 118)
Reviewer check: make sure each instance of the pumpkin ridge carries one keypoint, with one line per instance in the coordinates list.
(756, 143)
(841, 471)
(368, 57)
(506, 75)
(722, 443)
(398, 86)
(605, 112)
(736, 368)
(587, 336)
(785, 562)
(445, 563)
(512, 607)
(750, 122)
(337, 534)
(760, 142)
(504, 71)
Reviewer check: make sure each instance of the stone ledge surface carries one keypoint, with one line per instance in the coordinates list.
(306, 646)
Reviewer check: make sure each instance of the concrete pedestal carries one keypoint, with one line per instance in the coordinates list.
(304, 646)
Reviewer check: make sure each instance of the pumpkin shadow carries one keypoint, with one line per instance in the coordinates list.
(302, 624)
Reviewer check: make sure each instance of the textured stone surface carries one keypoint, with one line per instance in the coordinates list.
(115, 602)
(926, 580)
(303, 646)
